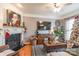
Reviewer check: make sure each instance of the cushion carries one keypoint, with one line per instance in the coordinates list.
(7, 52)
(5, 47)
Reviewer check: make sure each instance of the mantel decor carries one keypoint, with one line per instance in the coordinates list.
(13, 19)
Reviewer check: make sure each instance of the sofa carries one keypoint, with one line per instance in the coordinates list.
(5, 51)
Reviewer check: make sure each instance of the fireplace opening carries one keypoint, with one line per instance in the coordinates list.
(14, 41)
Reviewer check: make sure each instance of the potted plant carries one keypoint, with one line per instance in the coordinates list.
(58, 33)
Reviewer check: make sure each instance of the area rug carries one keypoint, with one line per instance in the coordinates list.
(58, 54)
(38, 50)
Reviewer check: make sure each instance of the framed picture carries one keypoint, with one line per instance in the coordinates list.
(57, 23)
(13, 19)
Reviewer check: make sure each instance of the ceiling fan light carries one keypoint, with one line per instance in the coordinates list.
(57, 6)
(56, 9)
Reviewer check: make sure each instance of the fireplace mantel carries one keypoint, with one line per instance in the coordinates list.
(16, 33)
(13, 30)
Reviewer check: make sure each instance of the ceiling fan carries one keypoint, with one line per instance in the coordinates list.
(58, 6)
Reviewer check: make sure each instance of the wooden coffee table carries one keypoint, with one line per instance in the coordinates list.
(48, 47)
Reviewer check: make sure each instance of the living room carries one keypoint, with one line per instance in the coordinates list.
(39, 29)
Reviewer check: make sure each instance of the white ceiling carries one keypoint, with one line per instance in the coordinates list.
(45, 10)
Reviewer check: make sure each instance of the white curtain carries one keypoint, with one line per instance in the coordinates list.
(68, 28)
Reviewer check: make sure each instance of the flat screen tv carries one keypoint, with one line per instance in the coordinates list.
(44, 25)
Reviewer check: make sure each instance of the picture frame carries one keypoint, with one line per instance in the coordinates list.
(13, 18)
(57, 23)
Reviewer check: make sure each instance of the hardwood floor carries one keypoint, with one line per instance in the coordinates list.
(25, 51)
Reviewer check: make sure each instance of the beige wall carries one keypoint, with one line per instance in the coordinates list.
(4, 6)
(31, 24)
